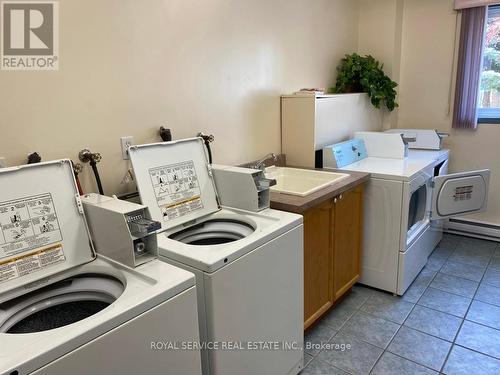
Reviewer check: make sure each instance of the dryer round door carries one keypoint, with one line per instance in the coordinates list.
(59, 304)
(214, 232)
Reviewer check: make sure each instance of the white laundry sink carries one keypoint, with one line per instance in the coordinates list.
(301, 182)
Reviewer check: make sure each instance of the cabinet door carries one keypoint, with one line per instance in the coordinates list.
(318, 266)
(348, 229)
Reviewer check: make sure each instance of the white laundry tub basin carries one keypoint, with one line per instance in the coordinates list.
(301, 182)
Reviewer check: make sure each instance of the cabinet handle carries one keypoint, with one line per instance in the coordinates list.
(341, 197)
(335, 200)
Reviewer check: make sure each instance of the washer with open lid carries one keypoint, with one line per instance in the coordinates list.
(175, 181)
(248, 265)
(64, 309)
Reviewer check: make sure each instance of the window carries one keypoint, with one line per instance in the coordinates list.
(416, 211)
(489, 92)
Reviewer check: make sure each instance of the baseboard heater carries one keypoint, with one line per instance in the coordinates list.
(473, 229)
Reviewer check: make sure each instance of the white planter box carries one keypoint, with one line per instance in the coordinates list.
(310, 122)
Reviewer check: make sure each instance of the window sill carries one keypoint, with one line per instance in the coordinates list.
(488, 120)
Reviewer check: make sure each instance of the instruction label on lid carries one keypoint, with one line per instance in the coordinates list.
(28, 263)
(177, 190)
(26, 224)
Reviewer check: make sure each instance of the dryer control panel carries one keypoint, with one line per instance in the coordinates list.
(341, 154)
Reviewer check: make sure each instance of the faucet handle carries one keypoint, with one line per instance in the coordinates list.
(261, 163)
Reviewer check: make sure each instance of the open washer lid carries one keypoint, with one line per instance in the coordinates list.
(42, 226)
(175, 181)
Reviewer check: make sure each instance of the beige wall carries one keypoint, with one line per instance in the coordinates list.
(380, 31)
(128, 67)
(426, 74)
(414, 39)
(427, 58)
(380, 23)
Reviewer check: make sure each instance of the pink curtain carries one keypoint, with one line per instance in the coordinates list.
(469, 67)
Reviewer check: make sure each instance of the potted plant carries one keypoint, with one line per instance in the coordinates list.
(364, 74)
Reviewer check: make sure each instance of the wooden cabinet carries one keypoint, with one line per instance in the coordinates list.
(318, 261)
(332, 251)
(347, 241)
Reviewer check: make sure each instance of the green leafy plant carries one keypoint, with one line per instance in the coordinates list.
(364, 74)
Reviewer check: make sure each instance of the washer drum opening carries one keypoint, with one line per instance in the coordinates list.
(60, 304)
(214, 232)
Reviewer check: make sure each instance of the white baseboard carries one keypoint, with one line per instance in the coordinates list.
(473, 228)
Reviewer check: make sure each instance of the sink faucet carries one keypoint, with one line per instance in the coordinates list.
(261, 163)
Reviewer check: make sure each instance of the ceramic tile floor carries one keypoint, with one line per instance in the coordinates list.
(447, 322)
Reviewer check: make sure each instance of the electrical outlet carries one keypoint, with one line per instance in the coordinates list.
(126, 143)
(3, 162)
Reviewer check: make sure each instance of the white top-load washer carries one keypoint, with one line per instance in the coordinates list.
(248, 266)
(66, 310)
(412, 194)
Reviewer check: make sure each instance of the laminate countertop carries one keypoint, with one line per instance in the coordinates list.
(298, 204)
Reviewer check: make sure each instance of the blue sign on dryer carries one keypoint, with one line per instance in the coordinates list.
(349, 152)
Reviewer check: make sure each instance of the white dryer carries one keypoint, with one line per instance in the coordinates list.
(248, 266)
(66, 310)
(439, 163)
(412, 194)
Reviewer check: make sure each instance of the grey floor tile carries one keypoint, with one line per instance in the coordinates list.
(456, 285)
(488, 293)
(470, 258)
(338, 315)
(317, 367)
(426, 273)
(444, 252)
(476, 246)
(391, 364)
(316, 336)
(358, 295)
(449, 241)
(435, 262)
(479, 338)
(387, 306)
(451, 237)
(462, 361)
(496, 254)
(466, 271)
(371, 329)
(420, 347)
(358, 357)
(445, 302)
(419, 285)
(434, 323)
(484, 313)
(307, 358)
(495, 262)
(492, 277)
